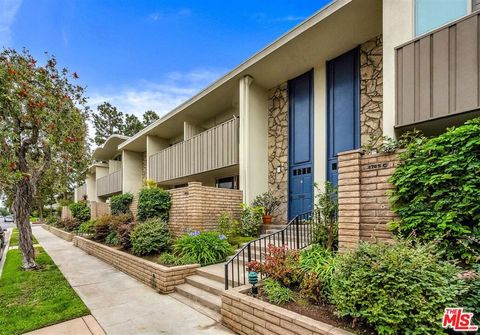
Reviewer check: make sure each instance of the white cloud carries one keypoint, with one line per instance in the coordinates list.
(166, 15)
(8, 10)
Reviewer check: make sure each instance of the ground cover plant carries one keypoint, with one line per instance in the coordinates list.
(34, 299)
(14, 239)
(205, 247)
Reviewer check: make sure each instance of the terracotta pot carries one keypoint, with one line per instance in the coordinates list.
(267, 219)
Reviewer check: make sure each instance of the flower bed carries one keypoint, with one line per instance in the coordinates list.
(247, 315)
(59, 233)
(159, 277)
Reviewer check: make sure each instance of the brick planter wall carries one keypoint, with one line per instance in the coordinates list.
(198, 207)
(59, 233)
(247, 315)
(159, 277)
(364, 208)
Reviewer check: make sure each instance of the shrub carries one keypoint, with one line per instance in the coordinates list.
(228, 226)
(69, 224)
(268, 202)
(80, 211)
(317, 265)
(437, 187)
(277, 293)
(124, 232)
(107, 223)
(149, 237)
(204, 247)
(397, 289)
(173, 260)
(51, 220)
(153, 203)
(251, 220)
(112, 238)
(119, 204)
(87, 228)
(470, 297)
(325, 230)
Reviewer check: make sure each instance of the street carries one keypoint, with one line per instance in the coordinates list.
(6, 225)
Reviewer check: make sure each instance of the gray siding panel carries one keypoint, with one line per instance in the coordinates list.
(109, 184)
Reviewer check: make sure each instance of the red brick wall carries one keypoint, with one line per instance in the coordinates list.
(363, 186)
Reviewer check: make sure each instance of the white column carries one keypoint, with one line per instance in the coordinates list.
(132, 166)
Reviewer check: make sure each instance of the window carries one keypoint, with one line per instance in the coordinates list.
(431, 14)
(228, 182)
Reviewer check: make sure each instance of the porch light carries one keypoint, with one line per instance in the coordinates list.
(253, 280)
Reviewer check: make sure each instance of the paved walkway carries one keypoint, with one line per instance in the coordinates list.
(86, 325)
(121, 304)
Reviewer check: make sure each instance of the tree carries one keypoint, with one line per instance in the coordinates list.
(42, 127)
(132, 125)
(149, 117)
(107, 121)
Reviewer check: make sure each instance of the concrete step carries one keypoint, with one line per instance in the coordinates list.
(206, 284)
(200, 296)
(197, 306)
(214, 272)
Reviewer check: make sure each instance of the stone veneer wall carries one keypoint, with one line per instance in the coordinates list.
(198, 207)
(278, 148)
(364, 208)
(371, 89)
(248, 315)
(159, 277)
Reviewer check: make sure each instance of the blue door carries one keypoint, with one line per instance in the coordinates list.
(343, 109)
(300, 155)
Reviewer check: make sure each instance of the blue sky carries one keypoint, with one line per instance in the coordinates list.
(142, 55)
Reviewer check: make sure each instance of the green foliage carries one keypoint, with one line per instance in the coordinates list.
(69, 224)
(124, 232)
(87, 228)
(397, 289)
(150, 237)
(325, 230)
(108, 223)
(470, 297)
(112, 238)
(154, 203)
(277, 293)
(169, 259)
(437, 191)
(251, 220)
(228, 226)
(268, 202)
(80, 211)
(119, 204)
(51, 220)
(205, 247)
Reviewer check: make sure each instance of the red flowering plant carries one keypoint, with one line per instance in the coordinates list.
(281, 264)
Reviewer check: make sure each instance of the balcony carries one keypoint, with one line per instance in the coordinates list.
(109, 184)
(437, 74)
(212, 149)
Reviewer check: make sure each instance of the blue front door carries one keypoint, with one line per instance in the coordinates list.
(300, 145)
(343, 109)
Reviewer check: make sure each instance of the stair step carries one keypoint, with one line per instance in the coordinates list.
(200, 296)
(197, 306)
(214, 272)
(206, 284)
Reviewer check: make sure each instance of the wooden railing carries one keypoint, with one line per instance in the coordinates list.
(109, 184)
(437, 74)
(212, 149)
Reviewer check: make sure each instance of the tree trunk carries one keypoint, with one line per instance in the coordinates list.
(40, 209)
(22, 207)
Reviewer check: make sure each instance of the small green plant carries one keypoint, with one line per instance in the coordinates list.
(112, 238)
(318, 265)
(325, 229)
(228, 226)
(154, 203)
(470, 296)
(87, 228)
(150, 237)
(51, 220)
(69, 224)
(80, 211)
(119, 204)
(277, 293)
(124, 231)
(268, 201)
(204, 247)
(397, 289)
(251, 220)
(108, 223)
(174, 260)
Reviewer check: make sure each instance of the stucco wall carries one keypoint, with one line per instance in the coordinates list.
(278, 148)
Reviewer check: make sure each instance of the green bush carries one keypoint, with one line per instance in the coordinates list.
(397, 289)
(470, 297)
(153, 203)
(69, 224)
(174, 260)
(80, 211)
(87, 228)
(251, 220)
(277, 293)
(105, 224)
(112, 238)
(51, 220)
(317, 265)
(204, 247)
(149, 237)
(325, 229)
(124, 232)
(228, 226)
(437, 191)
(119, 204)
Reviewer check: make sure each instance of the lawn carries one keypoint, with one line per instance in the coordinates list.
(34, 299)
(14, 238)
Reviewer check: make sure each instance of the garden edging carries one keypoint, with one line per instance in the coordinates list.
(59, 233)
(159, 277)
(247, 315)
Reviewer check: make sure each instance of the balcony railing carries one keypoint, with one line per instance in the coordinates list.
(109, 184)
(212, 149)
(437, 74)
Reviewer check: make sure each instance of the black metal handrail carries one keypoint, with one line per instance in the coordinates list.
(298, 234)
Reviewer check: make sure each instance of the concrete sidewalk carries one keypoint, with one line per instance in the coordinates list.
(121, 304)
(86, 325)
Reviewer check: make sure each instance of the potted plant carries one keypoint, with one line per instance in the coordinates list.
(270, 203)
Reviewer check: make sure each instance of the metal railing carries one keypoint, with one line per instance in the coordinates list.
(298, 234)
